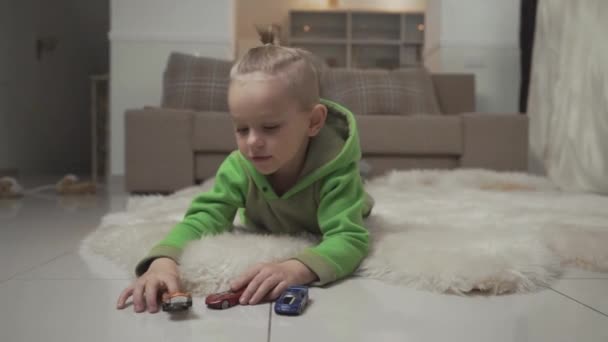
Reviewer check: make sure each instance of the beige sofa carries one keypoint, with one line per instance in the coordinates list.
(183, 141)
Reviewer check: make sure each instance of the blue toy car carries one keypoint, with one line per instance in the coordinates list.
(292, 302)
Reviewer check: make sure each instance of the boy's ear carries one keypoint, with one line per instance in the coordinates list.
(317, 119)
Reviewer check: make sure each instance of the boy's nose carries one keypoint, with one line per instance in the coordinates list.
(254, 140)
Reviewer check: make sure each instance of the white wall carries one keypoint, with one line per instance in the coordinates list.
(480, 22)
(143, 34)
(480, 37)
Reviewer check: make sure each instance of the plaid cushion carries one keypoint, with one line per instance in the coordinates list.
(196, 83)
(365, 91)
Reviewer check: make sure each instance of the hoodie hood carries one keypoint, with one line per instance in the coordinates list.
(336, 146)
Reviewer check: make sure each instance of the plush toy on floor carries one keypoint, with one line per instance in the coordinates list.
(9, 188)
(70, 185)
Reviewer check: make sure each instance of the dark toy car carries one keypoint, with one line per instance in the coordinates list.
(178, 301)
(292, 301)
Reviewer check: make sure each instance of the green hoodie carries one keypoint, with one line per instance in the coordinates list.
(328, 199)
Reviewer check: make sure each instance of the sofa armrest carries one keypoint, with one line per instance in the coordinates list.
(455, 92)
(495, 141)
(158, 155)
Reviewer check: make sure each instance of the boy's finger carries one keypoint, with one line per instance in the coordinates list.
(151, 296)
(172, 285)
(138, 297)
(126, 293)
(277, 291)
(263, 289)
(252, 287)
(246, 277)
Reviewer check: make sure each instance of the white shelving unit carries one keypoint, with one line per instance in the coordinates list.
(359, 39)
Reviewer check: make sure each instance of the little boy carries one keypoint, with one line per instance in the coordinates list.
(296, 170)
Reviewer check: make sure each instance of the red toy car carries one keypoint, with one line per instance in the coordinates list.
(224, 300)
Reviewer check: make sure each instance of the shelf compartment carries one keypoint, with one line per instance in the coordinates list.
(384, 26)
(366, 56)
(334, 55)
(318, 25)
(414, 28)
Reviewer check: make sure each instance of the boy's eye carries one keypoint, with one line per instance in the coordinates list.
(271, 127)
(242, 130)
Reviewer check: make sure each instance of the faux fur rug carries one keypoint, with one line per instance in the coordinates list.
(443, 231)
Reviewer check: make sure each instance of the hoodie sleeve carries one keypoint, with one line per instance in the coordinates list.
(345, 239)
(211, 212)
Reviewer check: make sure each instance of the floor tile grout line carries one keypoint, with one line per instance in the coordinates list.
(581, 303)
(269, 322)
(37, 266)
(73, 250)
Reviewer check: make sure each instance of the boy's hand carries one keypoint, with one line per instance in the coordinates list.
(268, 281)
(161, 276)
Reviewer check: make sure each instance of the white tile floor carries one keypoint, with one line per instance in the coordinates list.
(47, 293)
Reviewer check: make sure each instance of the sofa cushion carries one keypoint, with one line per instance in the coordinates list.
(213, 132)
(196, 83)
(410, 135)
(370, 92)
(379, 134)
(381, 164)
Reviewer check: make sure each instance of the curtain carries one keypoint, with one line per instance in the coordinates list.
(568, 101)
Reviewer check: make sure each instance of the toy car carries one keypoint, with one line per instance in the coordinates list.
(178, 301)
(292, 301)
(224, 300)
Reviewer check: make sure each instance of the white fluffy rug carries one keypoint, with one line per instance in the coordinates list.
(443, 231)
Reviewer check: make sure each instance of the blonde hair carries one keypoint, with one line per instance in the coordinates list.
(293, 65)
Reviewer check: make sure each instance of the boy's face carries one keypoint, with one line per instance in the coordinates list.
(271, 131)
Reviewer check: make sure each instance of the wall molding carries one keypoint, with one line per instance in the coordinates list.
(475, 45)
(435, 48)
(168, 37)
